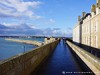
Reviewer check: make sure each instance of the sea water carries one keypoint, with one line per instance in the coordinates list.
(9, 49)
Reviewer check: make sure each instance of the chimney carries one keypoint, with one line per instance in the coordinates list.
(97, 1)
(83, 14)
(98, 4)
(97, 7)
(79, 18)
(93, 8)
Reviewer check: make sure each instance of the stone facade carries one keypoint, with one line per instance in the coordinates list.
(76, 33)
(90, 28)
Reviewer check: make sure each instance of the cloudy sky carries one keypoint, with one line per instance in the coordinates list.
(41, 17)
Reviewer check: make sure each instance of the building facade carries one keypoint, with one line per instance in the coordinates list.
(76, 33)
(87, 31)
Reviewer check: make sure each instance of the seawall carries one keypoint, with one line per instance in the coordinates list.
(24, 64)
(89, 59)
(37, 43)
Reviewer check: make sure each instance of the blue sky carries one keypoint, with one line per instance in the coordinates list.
(41, 17)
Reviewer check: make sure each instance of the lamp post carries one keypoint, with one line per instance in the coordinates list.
(24, 48)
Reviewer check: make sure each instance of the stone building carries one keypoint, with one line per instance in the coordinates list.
(76, 33)
(87, 31)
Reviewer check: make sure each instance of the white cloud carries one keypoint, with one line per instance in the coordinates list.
(25, 29)
(33, 26)
(51, 21)
(9, 24)
(20, 25)
(18, 8)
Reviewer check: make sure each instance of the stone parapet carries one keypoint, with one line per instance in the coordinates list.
(26, 63)
(90, 60)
